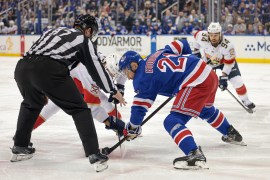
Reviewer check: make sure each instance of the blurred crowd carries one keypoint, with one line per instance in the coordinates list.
(120, 17)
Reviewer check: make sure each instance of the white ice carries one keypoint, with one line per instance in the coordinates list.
(59, 153)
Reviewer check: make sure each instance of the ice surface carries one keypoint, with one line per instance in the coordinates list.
(59, 153)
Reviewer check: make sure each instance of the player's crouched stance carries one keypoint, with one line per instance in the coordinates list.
(194, 85)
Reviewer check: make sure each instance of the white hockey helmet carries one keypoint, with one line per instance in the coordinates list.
(214, 27)
(112, 61)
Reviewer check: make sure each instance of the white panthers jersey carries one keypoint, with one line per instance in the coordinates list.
(95, 99)
(224, 53)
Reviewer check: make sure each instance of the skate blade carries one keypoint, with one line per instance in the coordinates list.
(237, 143)
(99, 167)
(183, 165)
(20, 157)
(234, 142)
(251, 111)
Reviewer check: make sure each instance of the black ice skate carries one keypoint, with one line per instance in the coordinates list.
(193, 161)
(21, 153)
(116, 125)
(100, 161)
(233, 137)
(249, 104)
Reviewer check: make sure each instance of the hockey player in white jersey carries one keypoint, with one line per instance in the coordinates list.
(102, 110)
(219, 53)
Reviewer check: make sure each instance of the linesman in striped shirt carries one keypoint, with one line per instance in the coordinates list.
(43, 73)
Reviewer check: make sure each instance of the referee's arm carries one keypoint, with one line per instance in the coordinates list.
(97, 70)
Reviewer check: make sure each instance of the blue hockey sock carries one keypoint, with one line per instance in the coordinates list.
(216, 119)
(174, 125)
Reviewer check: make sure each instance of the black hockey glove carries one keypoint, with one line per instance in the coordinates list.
(121, 89)
(115, 124)
(208, 61)
(223, 82)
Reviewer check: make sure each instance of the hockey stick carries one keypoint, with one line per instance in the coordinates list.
(247, 109)
(116, 114)
(108, 150)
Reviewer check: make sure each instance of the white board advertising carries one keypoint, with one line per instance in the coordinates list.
(10, 45)
(251, 46)
(121, 44)
(248, 48)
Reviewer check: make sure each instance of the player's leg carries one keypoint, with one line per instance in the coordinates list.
(188, 103)
(182, 136)
(175, 126)
(238, 84)
(218, 121)
(47, 111)
(213, 115)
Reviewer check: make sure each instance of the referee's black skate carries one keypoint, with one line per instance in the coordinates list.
(193, 161)
(21, 153)
(233, 137)
(99, 161)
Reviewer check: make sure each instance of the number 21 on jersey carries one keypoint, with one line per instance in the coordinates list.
(178, 66)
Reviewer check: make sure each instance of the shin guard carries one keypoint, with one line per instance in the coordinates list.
(175, 126)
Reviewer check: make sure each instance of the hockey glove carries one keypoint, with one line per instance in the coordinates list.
(121, 89)
(115, 124)
(208, 61)
(131, 133)
(223, 82)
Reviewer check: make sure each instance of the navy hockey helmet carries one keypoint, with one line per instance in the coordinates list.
(127, 59)
(87, 21)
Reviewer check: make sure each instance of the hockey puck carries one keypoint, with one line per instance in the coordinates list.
(105, 151)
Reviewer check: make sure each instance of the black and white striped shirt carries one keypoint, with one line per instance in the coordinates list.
(70, 46)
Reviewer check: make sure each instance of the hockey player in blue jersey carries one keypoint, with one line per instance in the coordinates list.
(173, 71)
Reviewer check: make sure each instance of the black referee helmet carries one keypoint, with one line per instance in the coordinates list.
(87, 21)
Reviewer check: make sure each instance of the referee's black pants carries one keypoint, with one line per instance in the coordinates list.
(40, 76)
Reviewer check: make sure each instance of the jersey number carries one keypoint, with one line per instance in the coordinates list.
(180, 67)
(225, 43)
(204, 37)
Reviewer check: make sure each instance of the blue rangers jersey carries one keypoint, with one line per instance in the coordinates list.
(165, 72)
